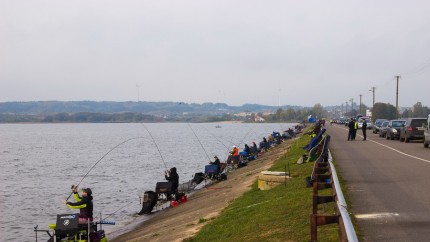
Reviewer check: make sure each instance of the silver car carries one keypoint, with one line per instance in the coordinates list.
(383, 129)
(427, 134)
(377, 125)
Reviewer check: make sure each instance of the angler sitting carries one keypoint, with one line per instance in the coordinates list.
(173, 177)
(84, 204)
(216, 162)
(233, 158)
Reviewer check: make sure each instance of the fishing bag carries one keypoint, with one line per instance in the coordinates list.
(198, 178)
(164, 187)
(149, 201)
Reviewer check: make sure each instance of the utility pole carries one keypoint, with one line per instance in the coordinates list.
(373, 90)
(343, 114)
(346, 108)
(397, 97)
(360, 104)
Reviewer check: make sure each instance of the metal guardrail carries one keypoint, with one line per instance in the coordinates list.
(324, 176)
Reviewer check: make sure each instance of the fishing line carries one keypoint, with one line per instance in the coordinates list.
(99, 161)
(153, 140)
(207, 155)
(111, 214)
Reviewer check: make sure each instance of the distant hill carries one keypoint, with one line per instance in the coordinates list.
(150, 108)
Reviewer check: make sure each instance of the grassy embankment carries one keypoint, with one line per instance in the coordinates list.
(279, 214)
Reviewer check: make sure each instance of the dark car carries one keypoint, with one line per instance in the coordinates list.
(393, 128)
(413, 129)
(377, 125)
(383, 128)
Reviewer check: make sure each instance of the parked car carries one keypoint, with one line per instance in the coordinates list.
(413, 129)
(427, 134)
(383, 128)
(376, 126)
(368, 122)
(393, 128)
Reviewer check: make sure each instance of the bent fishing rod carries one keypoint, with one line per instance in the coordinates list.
(207, 155)
(153, 140)
(73, 186)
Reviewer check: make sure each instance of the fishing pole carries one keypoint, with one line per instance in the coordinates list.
(153, 140)
(207, 155)
(73, 186)
(117, 210)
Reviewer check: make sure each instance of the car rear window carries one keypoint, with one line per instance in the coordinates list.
(419, 123)
(398, 123)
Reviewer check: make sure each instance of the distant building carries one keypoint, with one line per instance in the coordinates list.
(259, 119)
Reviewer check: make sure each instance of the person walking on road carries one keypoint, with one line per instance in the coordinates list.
(364, 128)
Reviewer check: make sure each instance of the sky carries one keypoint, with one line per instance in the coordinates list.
(228, 51)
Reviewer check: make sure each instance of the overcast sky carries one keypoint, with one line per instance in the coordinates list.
(234, 52)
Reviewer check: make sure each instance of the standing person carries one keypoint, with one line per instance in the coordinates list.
(173, 177)
(364, 128)
(350, 129)
(84, 204)
(355, 129)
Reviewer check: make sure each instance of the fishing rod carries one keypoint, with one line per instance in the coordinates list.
(73, 186)
(207, 155)
(153, 140)
(111, 214)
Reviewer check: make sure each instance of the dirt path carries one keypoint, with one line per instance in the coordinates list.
(178, 223)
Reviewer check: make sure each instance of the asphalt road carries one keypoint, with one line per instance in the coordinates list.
(388, 185)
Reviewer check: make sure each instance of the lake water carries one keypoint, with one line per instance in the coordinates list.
(40, 162)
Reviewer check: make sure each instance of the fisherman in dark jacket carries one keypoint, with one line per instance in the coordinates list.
(84, 204)
(173, 177)
(216, 162)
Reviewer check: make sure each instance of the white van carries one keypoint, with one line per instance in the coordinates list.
(427, 134)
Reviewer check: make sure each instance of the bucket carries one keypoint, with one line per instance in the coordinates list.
(184, 199)
(174, 203)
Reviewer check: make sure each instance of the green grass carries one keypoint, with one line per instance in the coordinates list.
(279, 214)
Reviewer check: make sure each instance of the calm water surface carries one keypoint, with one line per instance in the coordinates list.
(39, 163)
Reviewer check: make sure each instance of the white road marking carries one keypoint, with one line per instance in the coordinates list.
(376, 215)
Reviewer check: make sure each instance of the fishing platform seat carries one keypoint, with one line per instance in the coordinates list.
(67, 225)
(164, 187)
(211, 169)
